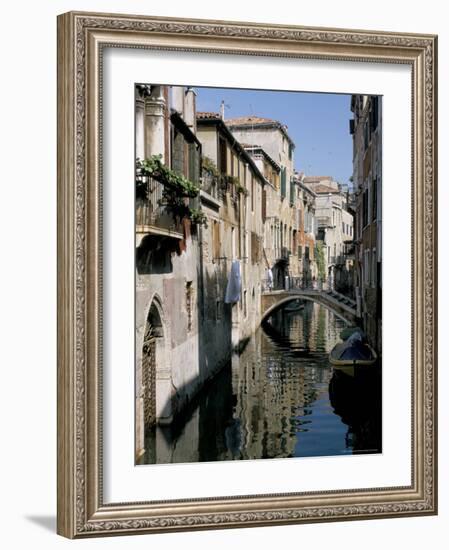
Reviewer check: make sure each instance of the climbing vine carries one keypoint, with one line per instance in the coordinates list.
(233, 180)
(320, 260)
(240, 189)
(209, 165)
(176, 190)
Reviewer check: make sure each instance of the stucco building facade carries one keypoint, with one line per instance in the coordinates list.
(366, 129)
(289, 226)
(334, 230)
(168, 371)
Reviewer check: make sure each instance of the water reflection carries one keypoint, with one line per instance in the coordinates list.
(279, 398)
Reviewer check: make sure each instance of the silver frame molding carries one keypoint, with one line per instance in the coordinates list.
(81, 37)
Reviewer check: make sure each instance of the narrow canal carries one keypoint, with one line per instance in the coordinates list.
(279, 398)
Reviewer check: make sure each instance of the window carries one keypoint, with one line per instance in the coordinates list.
(283, 183)
(196, 161)
(374, 113)
(264, 205)
(365, 220)
(255, 248)
(292, 191)
(189, 304)
(366, 135)
(374, 200)
(252, 193)
(245, 305)
(366, 267)
(232, 164)
(222, 164)
(373, 268)
(216, 239)
(178, 152)
(217, 310)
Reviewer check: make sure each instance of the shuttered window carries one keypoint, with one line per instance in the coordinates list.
(178, 152)
(222, 164)
(264, 206)
(292, 191)
(283, 183)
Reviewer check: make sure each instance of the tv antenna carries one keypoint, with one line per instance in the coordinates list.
(222, 108)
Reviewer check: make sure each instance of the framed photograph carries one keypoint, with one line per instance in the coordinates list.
(246, 274)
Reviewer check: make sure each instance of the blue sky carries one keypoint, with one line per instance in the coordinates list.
(317, 123)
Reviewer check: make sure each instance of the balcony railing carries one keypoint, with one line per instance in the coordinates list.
(295, 283)
(152, 215)
(211, 184)
(340, 259)
(218, 186)
(324, 221)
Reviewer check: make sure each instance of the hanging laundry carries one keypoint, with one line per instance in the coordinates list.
(269, 279)
(234, 284)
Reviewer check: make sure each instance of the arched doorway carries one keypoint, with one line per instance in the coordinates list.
(153, 338)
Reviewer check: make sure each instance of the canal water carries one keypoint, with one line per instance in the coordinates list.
(279, 398)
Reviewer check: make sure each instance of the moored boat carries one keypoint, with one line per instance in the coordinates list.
(354, 351)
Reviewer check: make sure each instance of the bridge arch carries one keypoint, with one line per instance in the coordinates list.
(277, 301)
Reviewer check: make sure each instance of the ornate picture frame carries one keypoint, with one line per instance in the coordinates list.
(82, 38)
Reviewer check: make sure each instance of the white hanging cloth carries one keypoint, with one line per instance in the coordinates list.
(234, 284)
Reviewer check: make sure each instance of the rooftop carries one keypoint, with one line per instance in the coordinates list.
(321, 189)
(316, 179)
(250, 120)
(208, 118)
(262, 122)
(204, 115)
(258, 149)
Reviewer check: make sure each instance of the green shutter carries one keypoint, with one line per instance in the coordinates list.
(283, 182)
(178, 153)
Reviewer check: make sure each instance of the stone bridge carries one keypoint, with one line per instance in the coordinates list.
(343, 307)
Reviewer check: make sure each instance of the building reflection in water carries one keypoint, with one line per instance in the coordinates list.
(279, 398)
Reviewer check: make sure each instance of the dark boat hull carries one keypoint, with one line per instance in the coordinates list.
(351, 355)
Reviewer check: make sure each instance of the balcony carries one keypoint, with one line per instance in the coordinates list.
(340, 259)
(324, 221)
(152, 215)
(211, 185)
(217, 186)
